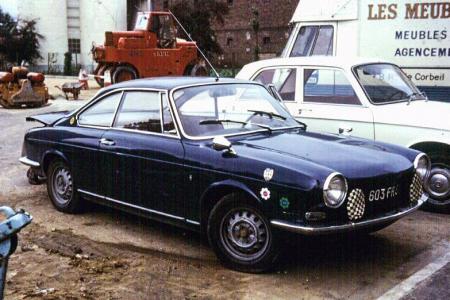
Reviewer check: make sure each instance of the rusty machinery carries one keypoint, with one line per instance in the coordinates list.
(20, 87)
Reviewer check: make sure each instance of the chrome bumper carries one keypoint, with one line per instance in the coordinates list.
(29, 162)
(318, 230)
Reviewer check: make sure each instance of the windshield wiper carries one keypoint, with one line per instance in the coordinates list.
(220, 121)
(267, 113)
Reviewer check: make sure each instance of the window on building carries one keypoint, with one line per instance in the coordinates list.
(314, 40)
(328, 86)
(166, 4)
(266, 40)
(284, 80)
(229, 42)
(74, 45)
(230, 2)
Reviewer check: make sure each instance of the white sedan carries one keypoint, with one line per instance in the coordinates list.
(366, 98)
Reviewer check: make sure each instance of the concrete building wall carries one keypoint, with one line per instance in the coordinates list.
(59, 20)
(51, 16)
(96, 17)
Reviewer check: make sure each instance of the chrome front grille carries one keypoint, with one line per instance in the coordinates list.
(356, 204)
(415, 189)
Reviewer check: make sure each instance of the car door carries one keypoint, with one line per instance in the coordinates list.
(145, 154)
(329, 103)
(85, 155)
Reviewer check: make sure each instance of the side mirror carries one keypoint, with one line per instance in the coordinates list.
(221, 143)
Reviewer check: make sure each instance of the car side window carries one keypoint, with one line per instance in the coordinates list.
(284, 80)
(314, 40)
(328, 86)
(101, 113)
(140, 111)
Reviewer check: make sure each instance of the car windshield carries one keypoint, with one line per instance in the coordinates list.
(222, 109)
(385, 83)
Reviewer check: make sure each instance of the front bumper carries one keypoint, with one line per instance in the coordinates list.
(28, 162)
(351, 226)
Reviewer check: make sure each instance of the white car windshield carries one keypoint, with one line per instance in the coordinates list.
(222, 109)
(385, 83)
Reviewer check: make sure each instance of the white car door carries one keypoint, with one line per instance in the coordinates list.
(329, 103)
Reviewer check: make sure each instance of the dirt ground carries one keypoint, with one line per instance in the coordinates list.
(106, 254)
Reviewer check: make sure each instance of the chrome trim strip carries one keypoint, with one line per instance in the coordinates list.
(311, 230)
(192, 222)
(131, 205)
(28, 162)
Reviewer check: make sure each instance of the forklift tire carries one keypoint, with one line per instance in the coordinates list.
(100, 71)
(123, 73)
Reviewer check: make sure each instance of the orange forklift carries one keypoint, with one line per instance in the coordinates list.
(151, 49)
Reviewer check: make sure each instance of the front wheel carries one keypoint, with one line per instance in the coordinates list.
(438, 184)
(61, 189)
(241, 235)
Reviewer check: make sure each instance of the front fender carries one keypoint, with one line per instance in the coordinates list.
(50, 155)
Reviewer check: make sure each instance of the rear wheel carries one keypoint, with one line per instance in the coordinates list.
(241, 235)
(61, 188)
(438, 184)
(196, 70)
(100, 71)
(123, 73)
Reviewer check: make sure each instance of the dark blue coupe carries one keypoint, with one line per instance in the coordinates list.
(222, 156)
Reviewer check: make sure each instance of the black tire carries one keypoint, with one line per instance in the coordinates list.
(100, 71)
(244, 219)
(123, 73)
(61, 188)
(440, 166)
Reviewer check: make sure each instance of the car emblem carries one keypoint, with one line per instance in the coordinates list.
(284, 203)
(265, 193)
(268, 174)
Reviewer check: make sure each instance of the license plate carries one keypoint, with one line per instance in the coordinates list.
(384, 194)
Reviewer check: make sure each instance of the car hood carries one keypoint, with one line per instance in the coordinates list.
(323, 154)
(424, 114)
(48, 119)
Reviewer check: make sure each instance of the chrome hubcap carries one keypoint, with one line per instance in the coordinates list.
(439, 183)
(62, 185)
(244, 234)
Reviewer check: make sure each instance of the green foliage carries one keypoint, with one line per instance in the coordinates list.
(19, 40)
(67, 63)
(196, 17)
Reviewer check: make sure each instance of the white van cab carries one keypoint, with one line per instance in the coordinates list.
(367, 98)
(413, 34)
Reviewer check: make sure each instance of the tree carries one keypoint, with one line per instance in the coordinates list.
(67, 63)
(197, 16)
(19, 40)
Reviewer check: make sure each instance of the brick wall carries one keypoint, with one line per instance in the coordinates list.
(236, 36)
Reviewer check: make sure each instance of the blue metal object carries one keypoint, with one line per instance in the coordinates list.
(13, 223)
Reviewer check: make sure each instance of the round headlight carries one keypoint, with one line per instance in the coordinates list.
(334, 190)
(422, 165)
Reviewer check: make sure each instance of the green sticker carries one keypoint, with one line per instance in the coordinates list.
(284, 203)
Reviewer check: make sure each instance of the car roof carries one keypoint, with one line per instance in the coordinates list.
(344, 62)
(169, 83)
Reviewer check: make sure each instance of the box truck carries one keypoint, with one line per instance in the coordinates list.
(410, 33)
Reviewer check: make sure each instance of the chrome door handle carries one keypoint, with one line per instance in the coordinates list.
(345, 130)
(107, 142)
